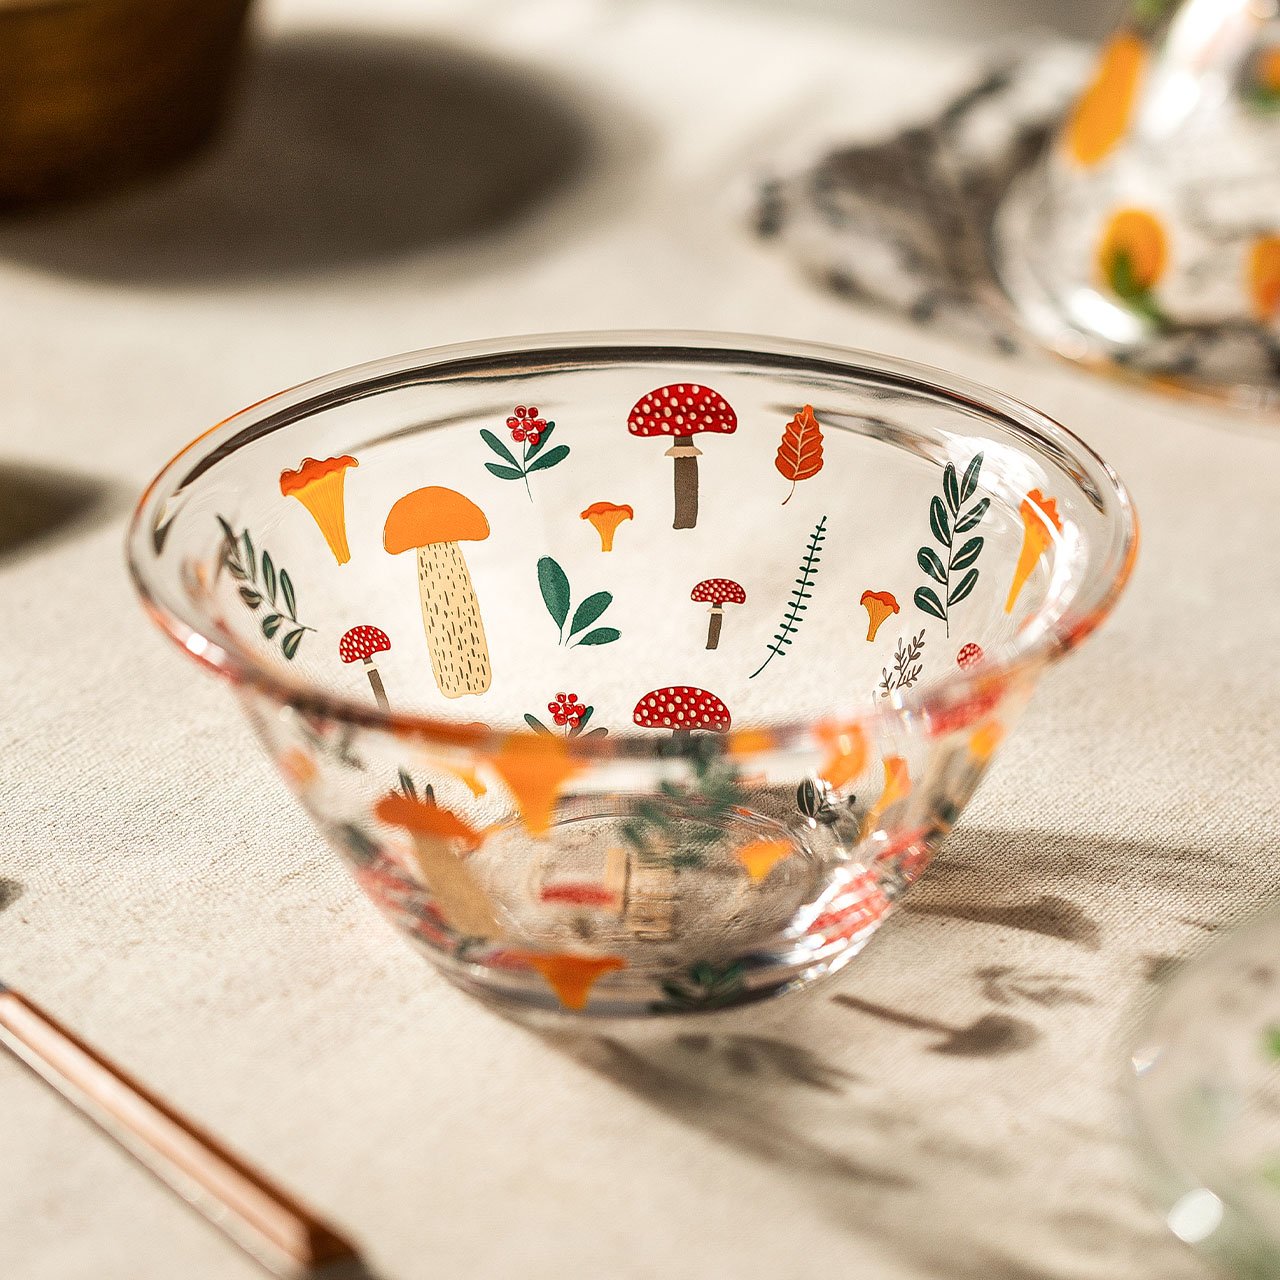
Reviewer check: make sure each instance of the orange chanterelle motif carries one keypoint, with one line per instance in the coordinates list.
(320, 487)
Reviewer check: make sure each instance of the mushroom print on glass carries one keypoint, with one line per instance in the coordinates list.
(1040, 525)
(880, 606)
(432, 522)
(682, 411)
(359, 645)
(682, 709)
(717, 592)
(605, 517)
(321, 488)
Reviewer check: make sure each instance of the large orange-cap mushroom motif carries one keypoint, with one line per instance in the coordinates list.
(682, 709)
(717, 592)
(683, 410)
(879, 605)
(439, 838)
(321, 488)
(1040, 522)
(572, 977)
(433, 521)
(606, 517)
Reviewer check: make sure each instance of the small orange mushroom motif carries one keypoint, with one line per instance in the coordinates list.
(606, 517)
(880, 605)
(1040, 522)
(535, 768)
(761, 856)
(846, 753)
(320, 487)
(572, 977)
(897, 786)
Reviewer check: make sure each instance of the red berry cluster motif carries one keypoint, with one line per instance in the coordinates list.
(567, 710)
(525, 424)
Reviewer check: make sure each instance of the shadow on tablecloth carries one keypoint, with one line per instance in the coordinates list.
(39, 505)
(954, 1098)
(347, 149)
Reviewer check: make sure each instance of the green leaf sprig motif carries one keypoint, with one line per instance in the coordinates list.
(800, 594)
(553, 582)
(948, 521)
(531, 432)
(262, 583)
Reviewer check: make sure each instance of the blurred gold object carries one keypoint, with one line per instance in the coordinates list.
(96, 92)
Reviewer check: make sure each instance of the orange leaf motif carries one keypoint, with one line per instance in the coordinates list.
(800, 453)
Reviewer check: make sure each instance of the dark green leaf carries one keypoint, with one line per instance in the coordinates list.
(503, 473)
(555, 590)
(973, 517)
(536, 449)
(951, 487)
(250, 597)
(271, 624)
(229, 534)
(536, 725)
(1271, 1042)
(928, 602)
(406, 784)
(286, 589)
(969, 486)
(558, 454)
(269, 574)
(498, 447)
(586, 715)
(601, 635)
(250, 556)
(597, 733)
(589, 610)
(967, 584)
(929, 560)
(938, 522)
(291, 642)
(967, 554)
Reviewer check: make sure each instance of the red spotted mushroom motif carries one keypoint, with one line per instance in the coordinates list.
(682, 709)
(717, 592)
(969, 656)
(359, 645)
(681, 411)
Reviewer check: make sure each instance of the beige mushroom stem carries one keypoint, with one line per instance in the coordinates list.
(375, 682)
(686, 455)
(457, 890)
(451, 617)
(713, 627)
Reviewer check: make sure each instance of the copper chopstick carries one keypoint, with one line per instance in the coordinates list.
(261, 1217)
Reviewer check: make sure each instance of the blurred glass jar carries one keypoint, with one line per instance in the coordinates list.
(1148, 235)
(96, 92)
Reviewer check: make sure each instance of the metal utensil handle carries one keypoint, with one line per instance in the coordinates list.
(261, 1217)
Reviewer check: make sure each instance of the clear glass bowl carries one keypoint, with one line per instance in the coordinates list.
(1205, 1086)
(633, 673)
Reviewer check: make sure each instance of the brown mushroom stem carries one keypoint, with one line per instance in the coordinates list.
(713, 627)
(451, 617)
(375, 680)
(686, 456)
(455, 887)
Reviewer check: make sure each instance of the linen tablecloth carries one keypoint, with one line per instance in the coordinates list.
(478, 169)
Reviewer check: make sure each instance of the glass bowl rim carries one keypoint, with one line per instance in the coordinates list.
(1037, 644)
